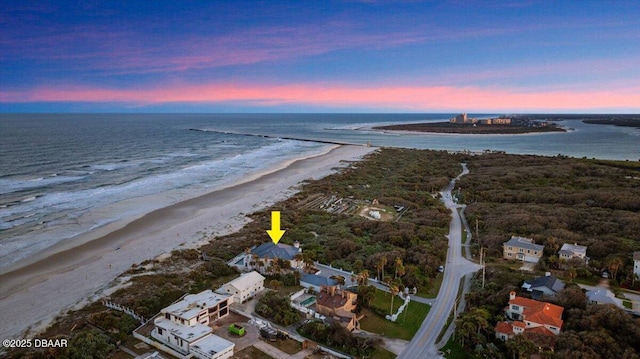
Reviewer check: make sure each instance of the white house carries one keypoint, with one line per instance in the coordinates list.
(575, 250)
(244, 287)
(201, 308)
(636, 263)
(191, 340)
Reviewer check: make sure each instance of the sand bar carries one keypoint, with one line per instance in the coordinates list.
(83, 269)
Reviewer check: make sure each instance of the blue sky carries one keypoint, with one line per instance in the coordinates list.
(320, 56)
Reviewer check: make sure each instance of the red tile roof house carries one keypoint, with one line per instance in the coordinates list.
(528, 315)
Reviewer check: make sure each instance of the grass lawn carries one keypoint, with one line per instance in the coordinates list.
(288, 346)
(382, 353)
(453, 350)
(251, 353)
(404, 328)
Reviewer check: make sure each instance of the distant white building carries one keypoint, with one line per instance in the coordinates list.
(575, 250)
(636, 263)
(244, 287)
(201, 308)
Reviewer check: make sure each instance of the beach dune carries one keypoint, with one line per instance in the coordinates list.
(34, 291)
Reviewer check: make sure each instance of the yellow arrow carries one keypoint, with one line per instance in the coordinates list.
(275, 232)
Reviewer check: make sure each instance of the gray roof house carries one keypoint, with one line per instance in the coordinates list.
(575, 250)
(603, 296)
(280, 250)
(316, 282)
(522, 249)
(545, 286)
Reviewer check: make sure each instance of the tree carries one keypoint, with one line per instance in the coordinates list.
(380, 264)
(399, 267)
(296, 277)
(471, 324)
(394, 291)
(275, 284)
(614, 265)
(520, 347)
(363, 277)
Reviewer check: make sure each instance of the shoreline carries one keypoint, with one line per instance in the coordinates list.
(444, 128)
(33, 293)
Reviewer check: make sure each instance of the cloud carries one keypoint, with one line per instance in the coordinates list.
(426, 99)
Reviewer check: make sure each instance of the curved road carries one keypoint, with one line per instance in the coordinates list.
(423, 343)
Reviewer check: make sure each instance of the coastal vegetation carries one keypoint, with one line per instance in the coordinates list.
(553, 200)
(557, 200)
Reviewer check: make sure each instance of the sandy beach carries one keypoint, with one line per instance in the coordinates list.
(33, 292)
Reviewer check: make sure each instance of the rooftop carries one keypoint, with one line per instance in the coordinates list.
(187, 333)
(504, 327)
(574, 249)
(212, 344)
(193, 304)
(636, 256)
(549, 281)
(522, 242)
(318, 280)
(338, 300)
(280, 250)
(603, 296)
(245, 281)
(540, 312)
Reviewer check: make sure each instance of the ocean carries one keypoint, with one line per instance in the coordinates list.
(59, 173)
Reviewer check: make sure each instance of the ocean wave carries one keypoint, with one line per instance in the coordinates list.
(15, 185)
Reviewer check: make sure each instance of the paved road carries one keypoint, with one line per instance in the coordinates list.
(423, 343)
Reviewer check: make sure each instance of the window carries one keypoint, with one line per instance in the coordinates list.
(535, 252)
(167, 315)
(515, 307)
(528, 251)
(160, 331)
(521, 250)
(509, 254)
(510, 248)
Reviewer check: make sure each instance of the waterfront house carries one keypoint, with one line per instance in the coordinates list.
(636, 263)
(244, 287)
(522, 249)
(202, 308)
(183, 327)
(263, 256)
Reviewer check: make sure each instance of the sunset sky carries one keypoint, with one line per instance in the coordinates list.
(320, 56)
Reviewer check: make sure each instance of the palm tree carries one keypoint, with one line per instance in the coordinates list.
(363, 277)
(614, 264)
(299, 259)
(394, 291)
(399, 267)
(296, 277)
(382, 261)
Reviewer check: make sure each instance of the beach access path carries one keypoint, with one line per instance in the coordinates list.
(77, 271)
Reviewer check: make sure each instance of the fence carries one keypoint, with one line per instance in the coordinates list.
(125, 310)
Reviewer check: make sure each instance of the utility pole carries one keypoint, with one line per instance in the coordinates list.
(482, 254)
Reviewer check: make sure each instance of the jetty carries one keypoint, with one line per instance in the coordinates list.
(330, 142)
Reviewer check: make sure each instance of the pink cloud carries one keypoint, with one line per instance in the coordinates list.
(337, 96)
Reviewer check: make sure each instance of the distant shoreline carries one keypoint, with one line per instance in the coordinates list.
(447, 127)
